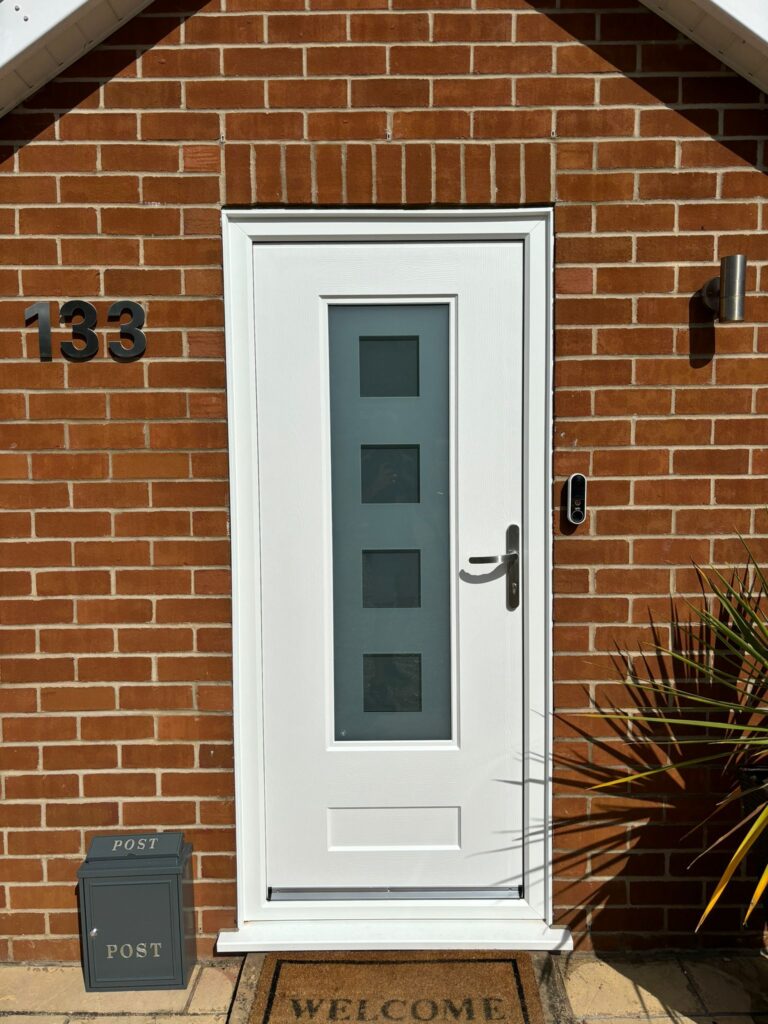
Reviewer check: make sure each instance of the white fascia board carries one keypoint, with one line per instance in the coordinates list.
(735, 31)
(43, 37)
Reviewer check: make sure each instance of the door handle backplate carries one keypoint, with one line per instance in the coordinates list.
(511, 559)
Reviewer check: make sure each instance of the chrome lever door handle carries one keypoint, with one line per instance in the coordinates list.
(491, 559)
(510, 558)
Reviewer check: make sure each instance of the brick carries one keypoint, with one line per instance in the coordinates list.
(390, 28)
(645, 217)
(89, 126)
(111, 553)
(552, 91)
(225, 95)
(32, 612)
(346, 125)
(512, 60)
(265, 126)
(511, 124)
(80, 698)
(307, 28)
(533, 27)
(115, 610)
(430, 60)
(129, 221)
(308, 93)
(184, 62)
(132, 524)
(135, 157)
(678, 185)
(594, 123)
(117, 784)
(472, 27)
(393, 92)
(154, 640)
(110, 670)
(117, 727)
(635, 280)
(227, 29)
(250, 62)
(194, 189)
(91, 815)
(158, 755)
(72, 582)
(345, 60)
(141, 698)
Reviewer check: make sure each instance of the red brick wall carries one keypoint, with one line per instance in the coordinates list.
(115, 665)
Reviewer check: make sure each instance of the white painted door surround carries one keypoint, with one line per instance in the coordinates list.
(388, 385)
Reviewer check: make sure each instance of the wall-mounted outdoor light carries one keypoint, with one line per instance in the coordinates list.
(724, 295)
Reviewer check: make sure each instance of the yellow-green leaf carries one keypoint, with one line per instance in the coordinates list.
(759, 890)
(745, 845)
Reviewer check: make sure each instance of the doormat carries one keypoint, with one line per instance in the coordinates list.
(397, 988)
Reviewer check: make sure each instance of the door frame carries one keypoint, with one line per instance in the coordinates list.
(390, 924)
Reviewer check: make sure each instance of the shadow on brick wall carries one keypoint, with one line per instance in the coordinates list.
(661, 67)
(630, 858)
(77, 87)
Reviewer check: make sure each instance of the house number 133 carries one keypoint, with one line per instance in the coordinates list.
(83, 330)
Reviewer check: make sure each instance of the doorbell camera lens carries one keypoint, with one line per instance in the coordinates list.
(576, 499)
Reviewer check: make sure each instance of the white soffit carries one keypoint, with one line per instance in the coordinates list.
(735, 31)
(39, 38)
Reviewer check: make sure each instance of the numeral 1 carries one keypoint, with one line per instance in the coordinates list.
(41, 311)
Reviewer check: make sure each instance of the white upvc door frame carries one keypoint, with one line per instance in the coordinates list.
(390, 924)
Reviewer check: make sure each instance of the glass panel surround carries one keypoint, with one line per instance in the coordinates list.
(390, 484)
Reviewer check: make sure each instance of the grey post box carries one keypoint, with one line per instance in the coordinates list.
(136, 912)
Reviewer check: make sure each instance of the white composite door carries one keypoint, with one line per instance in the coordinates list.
(389, 409)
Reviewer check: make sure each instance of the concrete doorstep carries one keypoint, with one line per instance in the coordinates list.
(576, 988)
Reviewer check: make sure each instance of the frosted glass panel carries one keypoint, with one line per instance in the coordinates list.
(389, 373)
(389, 473)
(389, 367)
(391, 682)
(391, 579)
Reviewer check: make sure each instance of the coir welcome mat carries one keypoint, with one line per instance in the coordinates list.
(397, 988)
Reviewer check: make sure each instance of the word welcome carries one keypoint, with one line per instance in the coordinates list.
(479, 1008)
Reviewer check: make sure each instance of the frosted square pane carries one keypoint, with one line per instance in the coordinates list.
(391, 579)
(392, 682)
(389, 473)
(389, 367)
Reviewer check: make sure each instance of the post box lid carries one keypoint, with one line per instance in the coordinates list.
(141, 846)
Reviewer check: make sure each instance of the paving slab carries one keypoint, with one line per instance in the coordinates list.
(31, 1018)
(242, 1003)
(616, 989)
(731, 985)
(213, 991)
(59, 989)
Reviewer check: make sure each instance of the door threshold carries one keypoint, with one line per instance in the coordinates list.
(277, 936)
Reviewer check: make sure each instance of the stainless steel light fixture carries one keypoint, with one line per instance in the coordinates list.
(724, 295)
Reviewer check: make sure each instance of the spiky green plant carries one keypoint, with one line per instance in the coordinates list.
(709, 688)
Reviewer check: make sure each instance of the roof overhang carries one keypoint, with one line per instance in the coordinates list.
(39, 38)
